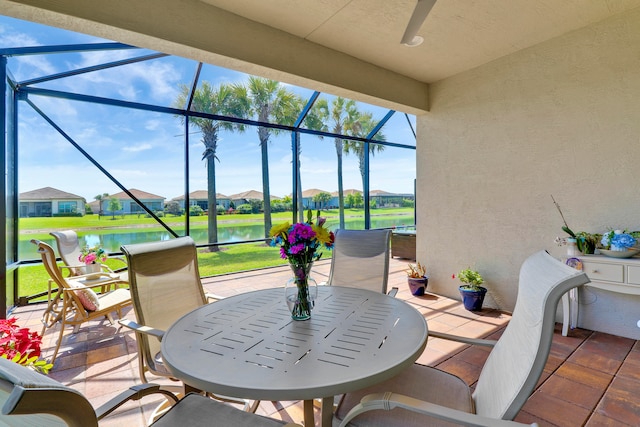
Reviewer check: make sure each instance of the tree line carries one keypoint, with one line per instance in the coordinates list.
(269, 101)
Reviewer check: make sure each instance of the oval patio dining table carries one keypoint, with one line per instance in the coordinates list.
(248, 346)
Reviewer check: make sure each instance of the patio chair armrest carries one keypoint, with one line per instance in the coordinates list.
(71, 266)
(388, 401)
(135, 392)
(124, 267)
(158, 333)
(213, 297)
(465, 340)
(393, 292)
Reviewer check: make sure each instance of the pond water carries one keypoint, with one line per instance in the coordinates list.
(111, 242)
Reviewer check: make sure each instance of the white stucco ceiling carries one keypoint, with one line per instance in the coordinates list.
(459, 34)
(345, 47)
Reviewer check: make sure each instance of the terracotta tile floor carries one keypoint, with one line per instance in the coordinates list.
(591, 378)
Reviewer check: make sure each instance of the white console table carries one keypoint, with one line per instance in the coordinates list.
(620, 275)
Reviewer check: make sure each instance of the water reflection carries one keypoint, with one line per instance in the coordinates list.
(111, 242)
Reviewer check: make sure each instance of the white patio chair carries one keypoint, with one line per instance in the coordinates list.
(28, 398)
(360, 259)
(425, 396)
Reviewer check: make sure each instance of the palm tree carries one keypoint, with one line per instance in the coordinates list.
(100, 198)
(361, 128)
(342, 116)
(268, 101)
(222, 100)
(316, 119)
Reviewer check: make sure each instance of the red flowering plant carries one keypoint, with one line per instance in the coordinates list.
(22, 346)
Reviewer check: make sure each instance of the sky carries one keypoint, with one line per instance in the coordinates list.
(145, 150)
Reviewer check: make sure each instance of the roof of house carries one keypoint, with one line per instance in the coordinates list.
(139, 194)
(380, 193)
(251, 195)
(347, 192)
(47, 193)
(312, 192)
(200, 194)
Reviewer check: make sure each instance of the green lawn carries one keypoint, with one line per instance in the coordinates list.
(33, 278)
(92, 222)
(232, 258)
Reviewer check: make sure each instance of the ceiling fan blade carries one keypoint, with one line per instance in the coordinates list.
(423, 7)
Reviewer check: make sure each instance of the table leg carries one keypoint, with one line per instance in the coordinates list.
(326, 411)
(309, 419)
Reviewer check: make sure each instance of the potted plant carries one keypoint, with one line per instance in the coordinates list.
(471, 291)
(587, 242)
(417, 279)
(92, 257)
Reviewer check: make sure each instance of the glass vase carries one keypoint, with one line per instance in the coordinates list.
(572, 248)
(301, 291)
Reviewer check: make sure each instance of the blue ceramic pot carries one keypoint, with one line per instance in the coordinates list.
(471, 299)
(417, 285)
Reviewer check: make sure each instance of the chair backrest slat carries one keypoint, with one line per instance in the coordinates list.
(69, 249)
(515, 364)
(360, 259)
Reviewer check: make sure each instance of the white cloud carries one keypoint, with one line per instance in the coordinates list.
(152, 124)
(139, 147)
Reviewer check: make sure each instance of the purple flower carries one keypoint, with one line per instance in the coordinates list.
(296, 249)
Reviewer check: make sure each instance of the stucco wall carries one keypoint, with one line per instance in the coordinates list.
(561, 118)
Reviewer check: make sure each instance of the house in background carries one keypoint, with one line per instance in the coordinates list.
(201, 198)
(307, 199)
(384, 199)
(129, 206)
(49, 201)
(246, 196)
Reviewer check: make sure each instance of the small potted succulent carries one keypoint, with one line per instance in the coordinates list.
(417, 279)
(470, 290)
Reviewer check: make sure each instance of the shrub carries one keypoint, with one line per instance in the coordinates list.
(172, 207)
(280, 206)
(195, 210)
(256, 206)
(408, 203)
(244, 209)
